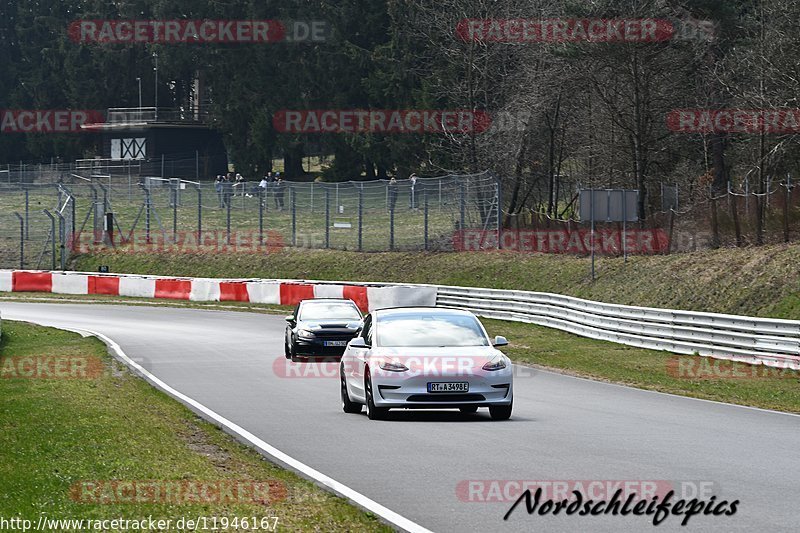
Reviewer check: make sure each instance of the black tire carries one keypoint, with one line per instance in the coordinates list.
(347, 405)
(286, 351)
(468, 409)
(501, 412)
(373, 413)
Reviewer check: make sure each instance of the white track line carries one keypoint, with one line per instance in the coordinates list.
(331, 484)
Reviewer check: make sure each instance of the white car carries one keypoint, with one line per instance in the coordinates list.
(425, 358)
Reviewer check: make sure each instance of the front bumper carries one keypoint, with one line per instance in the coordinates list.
(486, 389)
(316, 347)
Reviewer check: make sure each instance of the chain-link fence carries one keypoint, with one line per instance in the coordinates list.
(182, 215)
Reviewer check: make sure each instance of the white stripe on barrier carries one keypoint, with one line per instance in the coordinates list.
(6, 281)
(204, 290)
(138, 287)
(328, 291)
(264, 292)
(68, 283)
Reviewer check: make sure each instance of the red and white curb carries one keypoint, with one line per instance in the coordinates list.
(261, 291)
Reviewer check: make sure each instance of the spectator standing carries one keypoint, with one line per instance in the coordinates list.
(280, 189)
(218, 188)
(412, 199)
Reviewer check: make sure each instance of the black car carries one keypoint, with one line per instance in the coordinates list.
(321, 328)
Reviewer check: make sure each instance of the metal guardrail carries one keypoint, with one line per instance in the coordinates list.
(771, 342)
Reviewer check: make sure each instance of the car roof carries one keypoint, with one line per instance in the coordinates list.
(326, 300)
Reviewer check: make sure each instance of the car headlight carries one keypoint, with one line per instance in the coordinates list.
(393, 367)
(305, 334)
(500, 364)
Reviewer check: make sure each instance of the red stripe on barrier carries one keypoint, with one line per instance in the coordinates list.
(293, 293)
(173, 289)
(31, 282)
(358, 295)
(233, 292)
(104, 285)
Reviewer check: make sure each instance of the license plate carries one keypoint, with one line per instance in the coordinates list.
(335, 343)
(449, 387)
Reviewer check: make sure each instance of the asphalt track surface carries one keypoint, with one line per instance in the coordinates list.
(562, 428)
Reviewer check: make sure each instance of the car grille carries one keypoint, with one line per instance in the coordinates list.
(445, 398)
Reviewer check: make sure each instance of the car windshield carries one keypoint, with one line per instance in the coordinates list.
(329, 311)
(430, 330)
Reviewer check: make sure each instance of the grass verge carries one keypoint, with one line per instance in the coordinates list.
(762, 281)
(56, 433)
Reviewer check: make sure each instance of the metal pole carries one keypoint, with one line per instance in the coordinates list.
(624, 226)
(61, 230)
(21, 240)
(155, 55)
(360, 215)
(391, 228)
(199, 214)
(52, 236)
(197, 165)
(425, 199)
(228, 201)
(463, 201)
(175, 186)
(162, 163)
(148, 208)
(497, 199)
(294, 215)
(592, 236)
(327, 218)
(27, 209)
(260, 215)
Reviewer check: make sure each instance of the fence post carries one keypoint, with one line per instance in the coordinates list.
(228, 202)
(463, 202)
(786, 199)
(425, 199)
(391, 227)
(147, 209)
(327, 218)
(27, 209)
(197, 165)
(498, 204)
(61, 231)
(260, 216)
(175, 187)
(294, 215)
(52, 236)
(360, 214)
(199, 214)
(21, 240)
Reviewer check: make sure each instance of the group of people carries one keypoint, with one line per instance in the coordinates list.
(229, 185)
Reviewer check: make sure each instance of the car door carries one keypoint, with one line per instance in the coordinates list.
(358, 360)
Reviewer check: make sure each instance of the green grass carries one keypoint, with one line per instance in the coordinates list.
(56, 432)
(649, 369)
(761, 281)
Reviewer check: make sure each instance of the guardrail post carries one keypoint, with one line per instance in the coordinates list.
(21, 240)
(52, 236)
(327, 218)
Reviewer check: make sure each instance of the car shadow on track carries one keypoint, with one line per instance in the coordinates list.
(413, 415)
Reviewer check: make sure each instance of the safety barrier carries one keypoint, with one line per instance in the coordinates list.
(262, 291)
(771, 342)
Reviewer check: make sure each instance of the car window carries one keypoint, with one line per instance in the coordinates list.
(430, 330)
(332, 310)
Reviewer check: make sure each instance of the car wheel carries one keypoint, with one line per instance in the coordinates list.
(374, 413)
(286, 351)
(468, 409)
(347, 405)
(501, 412)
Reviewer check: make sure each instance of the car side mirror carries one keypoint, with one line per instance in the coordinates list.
(359, 342)
(290, 319)
(500, 341)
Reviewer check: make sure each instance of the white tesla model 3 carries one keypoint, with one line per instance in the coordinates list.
(425, 358)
